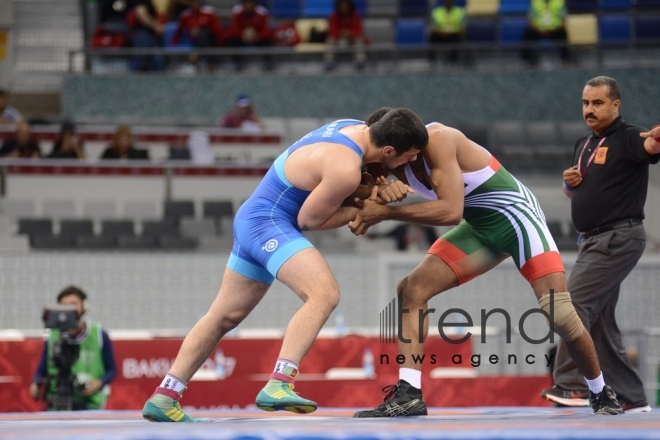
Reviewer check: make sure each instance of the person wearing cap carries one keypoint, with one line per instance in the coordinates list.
(242, 116)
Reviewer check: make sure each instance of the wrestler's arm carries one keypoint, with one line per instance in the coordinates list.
(446, 180)
(323, 208)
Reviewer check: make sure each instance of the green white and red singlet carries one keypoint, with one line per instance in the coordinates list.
(502, 218)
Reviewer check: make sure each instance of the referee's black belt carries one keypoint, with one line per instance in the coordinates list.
(612, 226)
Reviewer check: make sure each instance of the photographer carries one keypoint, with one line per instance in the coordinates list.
(76, 364)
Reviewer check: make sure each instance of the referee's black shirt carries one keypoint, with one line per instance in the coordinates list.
(614, 176)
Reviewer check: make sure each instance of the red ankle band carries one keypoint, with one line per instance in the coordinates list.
(167, 392)
(281, 377)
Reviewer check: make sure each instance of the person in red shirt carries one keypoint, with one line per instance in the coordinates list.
(202, 24)
(249, 27)
(344, 29)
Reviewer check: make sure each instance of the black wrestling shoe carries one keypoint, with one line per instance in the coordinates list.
(605, 402)
(565, 397)
(401, 400)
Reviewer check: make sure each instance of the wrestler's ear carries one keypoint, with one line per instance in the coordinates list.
(389, 151)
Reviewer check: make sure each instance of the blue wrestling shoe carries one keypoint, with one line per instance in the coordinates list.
(164, 406)
(278, 395)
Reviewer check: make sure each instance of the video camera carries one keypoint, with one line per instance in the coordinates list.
(64, 354)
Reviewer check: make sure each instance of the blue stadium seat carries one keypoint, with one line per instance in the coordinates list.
(514, 7)
(481, 29)
(615, 5)
(460, 3)
(317, 8)
(582, 5)
(411, 32)
(285, 8)
(185, 42)
(647, 4)
(647, 27)
(361, 6)
(411, 8)
(512, 29)
(614, 29)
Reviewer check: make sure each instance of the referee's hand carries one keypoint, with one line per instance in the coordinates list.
(572, 177)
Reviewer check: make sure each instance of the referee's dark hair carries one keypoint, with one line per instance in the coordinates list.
(72, 290)
(615, 90)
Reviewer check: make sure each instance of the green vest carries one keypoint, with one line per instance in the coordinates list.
(88, 366)
(547, 16)
(448, 21)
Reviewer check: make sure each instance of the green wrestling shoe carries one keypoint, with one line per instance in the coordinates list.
(164, 406)
(278, 395)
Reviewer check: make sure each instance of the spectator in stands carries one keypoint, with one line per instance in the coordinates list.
(8, 114)
(95, 367)
(546, 20)
(243, 116)
(22, 146)
(203, 26)
(249, 27)
(146, 32)
(176, 7)
(449, 26)
(345, 29)
(68, 145)
(122, 146)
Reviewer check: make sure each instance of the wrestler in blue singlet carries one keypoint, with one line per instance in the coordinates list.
(266, 231)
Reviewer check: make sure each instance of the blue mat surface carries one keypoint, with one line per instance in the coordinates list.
(442, 423)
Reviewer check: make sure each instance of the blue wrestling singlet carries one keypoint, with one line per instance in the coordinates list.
(266, 231)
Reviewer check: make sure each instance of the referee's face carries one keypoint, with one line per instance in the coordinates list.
(598, 109)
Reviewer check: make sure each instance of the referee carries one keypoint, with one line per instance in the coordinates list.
(607, 186)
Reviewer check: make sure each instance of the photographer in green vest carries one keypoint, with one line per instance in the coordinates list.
(448, 26)
(546, 20)
(92, 368)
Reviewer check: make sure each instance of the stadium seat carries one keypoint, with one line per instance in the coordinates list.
(140, 209)
(614, 29)
(512, 30)
(115, 228)
(647, 27)
(95, 242)
(304, 27)
(582, 28)
(185, 42)
(99, 209)
(15, 208)
(544, 138)
(482, 8)
(647, 4)
(576, 6)
(33, 226)
(175, 209)
(159, 228)
(136, 242)
(217, 209)
(361, 6)
(460, 3)
(177, 243)
(481, 29)
(514, 7)
(73, 228)
(570, 132)
(379, 30)
(195, 228)
(383, 8)
(509, 138)
(51, 242)
(285, 8)
(317, 8)
(413, 8)
(614, 5)
(57, 209)
(478, 133)
(411, 32)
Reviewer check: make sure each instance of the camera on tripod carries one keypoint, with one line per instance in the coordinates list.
(64, 394)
